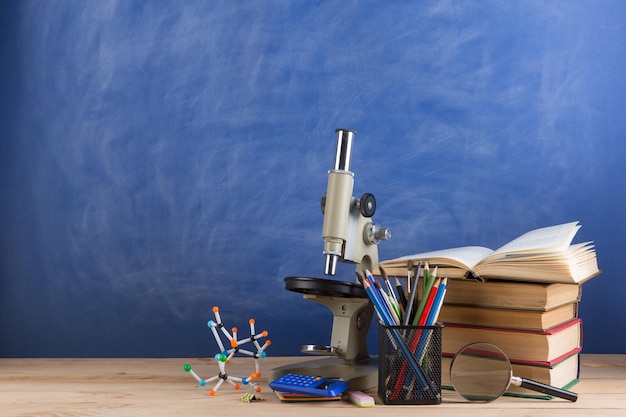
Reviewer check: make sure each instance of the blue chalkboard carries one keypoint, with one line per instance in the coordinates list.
(159, 158)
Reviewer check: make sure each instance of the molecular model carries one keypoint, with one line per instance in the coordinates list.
(225, 355)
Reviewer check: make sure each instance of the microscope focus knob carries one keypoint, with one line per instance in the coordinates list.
(367, 205)
(374, 233)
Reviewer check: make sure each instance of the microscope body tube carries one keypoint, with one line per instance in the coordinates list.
(338, 202)
(336, 217)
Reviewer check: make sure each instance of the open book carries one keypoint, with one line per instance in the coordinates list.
(542, 255)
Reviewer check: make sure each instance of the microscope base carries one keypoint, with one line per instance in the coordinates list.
(360, 376)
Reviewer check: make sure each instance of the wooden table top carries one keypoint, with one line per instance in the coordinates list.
(160, 387)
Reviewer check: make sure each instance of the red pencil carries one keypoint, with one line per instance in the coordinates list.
(429, 304)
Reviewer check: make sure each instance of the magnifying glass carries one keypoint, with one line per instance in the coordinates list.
(481, 372)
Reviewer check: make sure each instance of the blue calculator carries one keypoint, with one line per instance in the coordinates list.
(312, 385)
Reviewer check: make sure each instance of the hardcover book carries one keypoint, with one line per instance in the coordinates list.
(521, 346)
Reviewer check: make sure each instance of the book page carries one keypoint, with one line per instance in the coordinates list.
(548, 239)
(463, 257)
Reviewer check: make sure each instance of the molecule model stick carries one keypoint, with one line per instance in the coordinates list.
(201, 381)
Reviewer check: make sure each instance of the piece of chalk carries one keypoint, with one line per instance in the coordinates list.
(359, 398)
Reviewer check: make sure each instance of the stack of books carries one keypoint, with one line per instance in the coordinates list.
(522, 298)
(535, 324)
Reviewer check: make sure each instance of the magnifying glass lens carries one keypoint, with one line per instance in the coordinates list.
(480, 372)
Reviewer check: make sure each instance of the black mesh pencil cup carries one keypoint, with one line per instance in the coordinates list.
(409, 364)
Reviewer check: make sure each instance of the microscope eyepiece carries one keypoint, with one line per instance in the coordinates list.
(343, 153)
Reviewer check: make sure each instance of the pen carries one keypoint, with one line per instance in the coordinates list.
(412, 296)
(409, 270)
(401, 296)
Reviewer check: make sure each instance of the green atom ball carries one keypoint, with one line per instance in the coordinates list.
(187, 367)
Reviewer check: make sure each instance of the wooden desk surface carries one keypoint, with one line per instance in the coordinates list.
(160, 387)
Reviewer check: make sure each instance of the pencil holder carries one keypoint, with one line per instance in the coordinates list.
(409, 364)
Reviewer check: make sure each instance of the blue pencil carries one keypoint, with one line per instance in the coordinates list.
(378, 297)
(383, 315)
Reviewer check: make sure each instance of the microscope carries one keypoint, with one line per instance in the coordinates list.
(349, 236)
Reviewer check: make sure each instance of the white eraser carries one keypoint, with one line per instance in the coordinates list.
(361, 399)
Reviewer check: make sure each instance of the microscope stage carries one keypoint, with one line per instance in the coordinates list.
(325, 287)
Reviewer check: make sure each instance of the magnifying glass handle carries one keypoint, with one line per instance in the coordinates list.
(546, 389)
